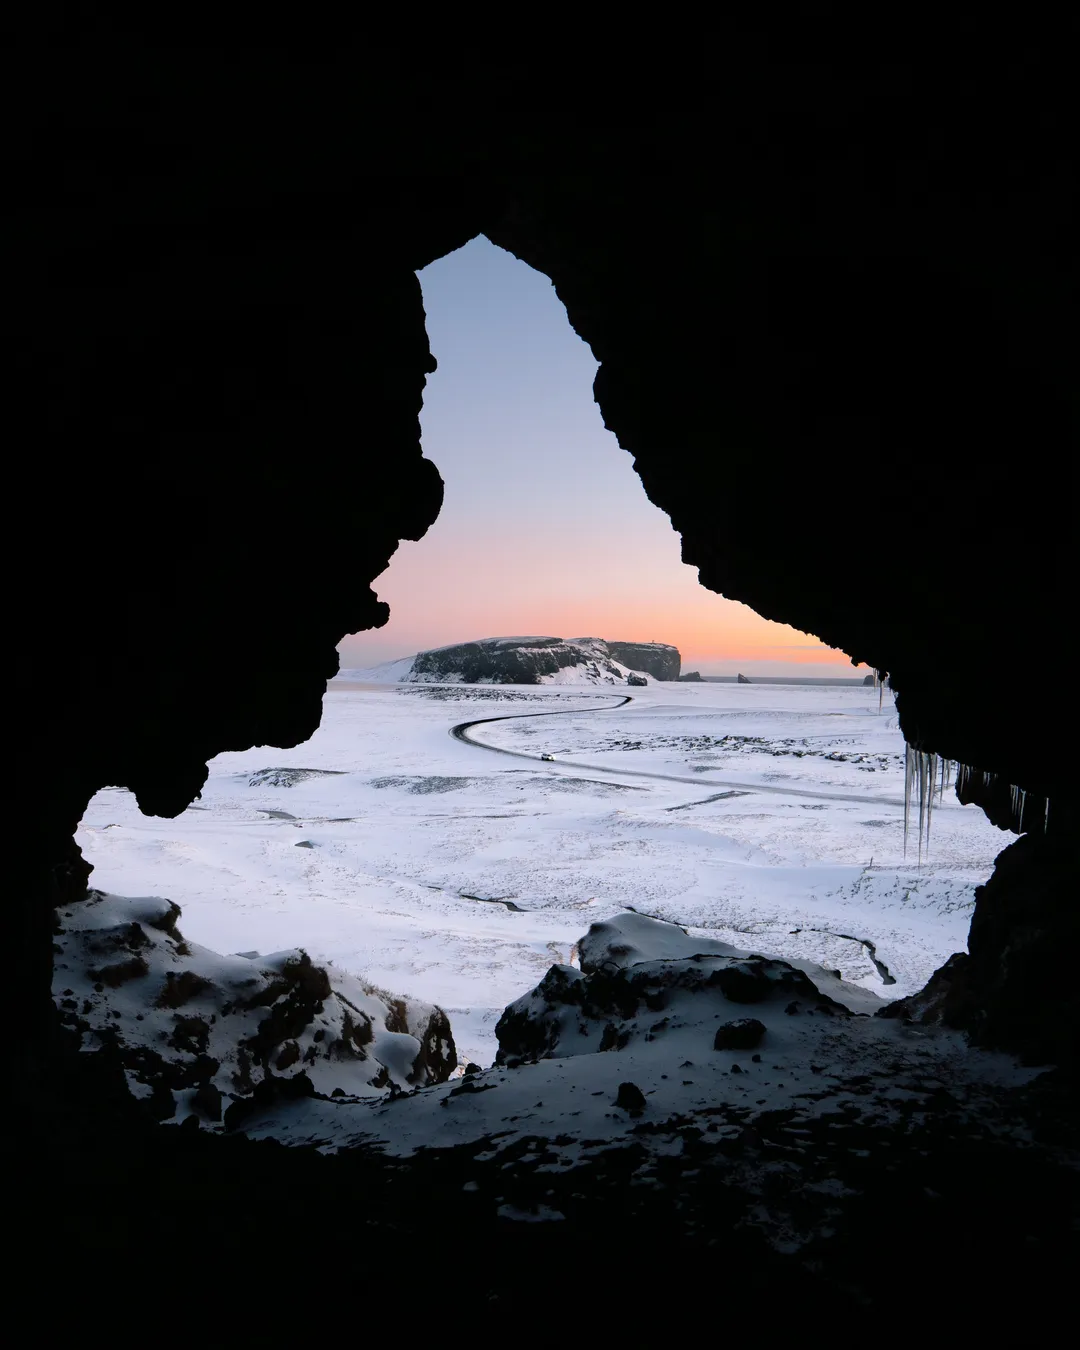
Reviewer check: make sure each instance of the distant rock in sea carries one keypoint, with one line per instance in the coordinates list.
(531, 660)
(691, 677)
(743, 680)
(870, 681)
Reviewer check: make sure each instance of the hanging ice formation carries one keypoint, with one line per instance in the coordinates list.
(879, 685)
(927, 776)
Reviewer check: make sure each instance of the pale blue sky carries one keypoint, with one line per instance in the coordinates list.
(545, 526)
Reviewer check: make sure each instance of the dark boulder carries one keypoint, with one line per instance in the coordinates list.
(630, 1098)
(742, 1033)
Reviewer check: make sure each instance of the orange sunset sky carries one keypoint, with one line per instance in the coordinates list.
(545, 527)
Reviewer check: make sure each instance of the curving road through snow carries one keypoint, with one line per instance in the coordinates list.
(462, 729)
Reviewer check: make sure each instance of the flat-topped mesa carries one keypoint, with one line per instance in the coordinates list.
(542, 660)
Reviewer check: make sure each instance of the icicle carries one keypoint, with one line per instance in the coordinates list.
(922, 802)
(925, 775)
(966, 775)
(1017, 802)
(909, 764)
(931, 778)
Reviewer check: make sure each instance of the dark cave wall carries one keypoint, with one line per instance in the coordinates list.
(831, 308)
(825, 366)
(219, 357)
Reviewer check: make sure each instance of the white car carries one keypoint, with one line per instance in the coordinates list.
(547, 756)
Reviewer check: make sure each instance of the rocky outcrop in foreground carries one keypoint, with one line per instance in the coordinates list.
(724, 1103)
(1004, 991)
(542, 660)
(641, 980)
(216, 1037)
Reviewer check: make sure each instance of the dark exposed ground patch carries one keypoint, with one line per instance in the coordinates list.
(561, 783)
(493, 900)
(134, 968)
(180, 989)
(761, 745)
(285, 777)
(422, 785)
(716, 797)
(565, 783)
(455, 692)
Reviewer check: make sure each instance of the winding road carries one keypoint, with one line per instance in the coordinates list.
(461, 733)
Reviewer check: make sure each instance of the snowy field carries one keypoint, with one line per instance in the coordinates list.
(769, 817)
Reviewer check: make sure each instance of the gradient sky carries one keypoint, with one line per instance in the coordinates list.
(545, 528)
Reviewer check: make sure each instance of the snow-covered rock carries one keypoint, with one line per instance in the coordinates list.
(213, 1036)
(520, 660)
(528, 660)
(659, 659)
(641, 980)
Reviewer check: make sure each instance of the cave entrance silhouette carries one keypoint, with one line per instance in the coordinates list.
(544, 526)
(810, 280)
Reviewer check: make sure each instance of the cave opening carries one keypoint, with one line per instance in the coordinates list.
(543, 528)
(843, 265)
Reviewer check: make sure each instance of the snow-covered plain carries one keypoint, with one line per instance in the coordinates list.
(768, 817)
